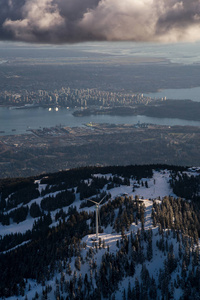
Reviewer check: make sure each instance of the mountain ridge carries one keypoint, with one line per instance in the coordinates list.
(52, 252)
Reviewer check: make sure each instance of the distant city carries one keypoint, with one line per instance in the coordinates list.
(67, 97)
(72, 87)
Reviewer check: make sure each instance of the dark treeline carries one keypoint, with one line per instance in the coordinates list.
(73, 176)
(179, 215)
(186, 186)
(18, 192)
(129, 211)
(11, 185)
(24, 189)
(68, 179)
(88, 188)
(50, 203)
(60, 200)
(133, 250)
(49, 250)
(37, 259)
(40, 228)
(17, 215)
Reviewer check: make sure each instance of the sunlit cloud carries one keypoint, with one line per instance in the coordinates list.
(67, 21)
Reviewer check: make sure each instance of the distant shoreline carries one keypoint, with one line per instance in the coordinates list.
(182, 109)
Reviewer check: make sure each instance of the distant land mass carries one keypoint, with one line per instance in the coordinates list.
(60, 148)
(181, 109)
(116, 75)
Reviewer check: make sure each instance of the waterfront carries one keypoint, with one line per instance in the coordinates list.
(18, 121)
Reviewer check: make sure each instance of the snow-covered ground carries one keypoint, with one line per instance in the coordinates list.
(158, 187)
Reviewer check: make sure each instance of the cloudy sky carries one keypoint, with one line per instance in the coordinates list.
(69, 21)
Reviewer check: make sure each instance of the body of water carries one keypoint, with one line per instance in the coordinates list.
(178, 94)
(18, 121)
(179, 53)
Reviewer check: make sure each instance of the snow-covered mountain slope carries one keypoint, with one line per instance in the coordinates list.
(148, 243)
(158, 186)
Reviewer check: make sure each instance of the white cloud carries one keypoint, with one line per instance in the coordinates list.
(81, 20)
(40, 16)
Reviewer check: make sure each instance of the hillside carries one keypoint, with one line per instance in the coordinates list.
(148, 245)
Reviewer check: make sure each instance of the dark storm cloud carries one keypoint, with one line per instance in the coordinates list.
(12, 11)
(62, 21)
(182, 17)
